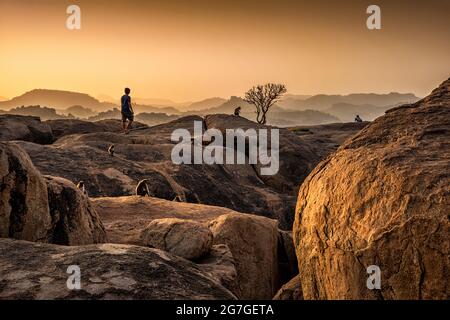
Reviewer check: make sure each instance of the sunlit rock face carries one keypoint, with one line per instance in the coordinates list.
(382, 199)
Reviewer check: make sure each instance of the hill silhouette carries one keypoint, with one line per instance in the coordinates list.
(53, 98)
(324, 101)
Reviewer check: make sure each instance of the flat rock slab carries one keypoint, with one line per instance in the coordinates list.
(108, 271)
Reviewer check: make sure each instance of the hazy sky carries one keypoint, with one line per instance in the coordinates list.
(190, 49)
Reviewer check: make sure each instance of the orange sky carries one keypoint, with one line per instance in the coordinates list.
(190, 50)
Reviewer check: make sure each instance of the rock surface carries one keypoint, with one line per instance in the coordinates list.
(24, 209)
(74, 219)
(326, 138)
(184, 238)
(287, 259)
(253, 242)
(290, 291)
(382, 199)
(26, 128)
(108, 271)
(220, 265)
(65, 127)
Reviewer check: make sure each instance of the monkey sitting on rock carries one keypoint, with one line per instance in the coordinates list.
(142, 188)
(178, 199)
(111, 150)
(81, 186)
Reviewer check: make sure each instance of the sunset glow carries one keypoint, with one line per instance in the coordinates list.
(188, 50)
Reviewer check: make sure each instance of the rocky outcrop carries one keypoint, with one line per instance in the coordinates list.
(382, 199)
(26, 128)
(184, 238)
(146, 154)
(41, 209)
(74, 220)
(253, 242)
(24, 209)
(296, 159)
(108, 271)
(249, 265)
(290, 291)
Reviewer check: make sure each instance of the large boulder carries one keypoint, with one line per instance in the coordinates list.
(244, 257)
(74, 219)
(26, 128)
(253, 242)
(184, 238)
(382, 199)
(108, 271)
(24, 209)
(125, 218)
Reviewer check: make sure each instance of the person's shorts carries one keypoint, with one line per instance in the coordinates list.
(126, 115)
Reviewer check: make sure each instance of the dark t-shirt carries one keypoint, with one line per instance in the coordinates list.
(126, 102)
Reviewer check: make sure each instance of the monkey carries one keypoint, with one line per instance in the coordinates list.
(237, 111)
(111, 150)
(81, 186)
(142, 188)
(178, 199)
(358, 119)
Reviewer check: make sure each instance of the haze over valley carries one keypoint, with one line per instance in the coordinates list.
(292, 110)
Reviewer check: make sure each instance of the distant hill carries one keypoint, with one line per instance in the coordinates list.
(227, 107)
(323, 102)
(206, 104)
(346, 112)
(153, 109)
(296, 96)
(80, 112)
(153, 119)
(3, 99)
(276, 116)
(37, 111)
(53, 98)
(155, 101)
(150, 119)
(62, 100)
(286, 118)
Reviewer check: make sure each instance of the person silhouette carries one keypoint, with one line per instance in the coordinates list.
(127, 111)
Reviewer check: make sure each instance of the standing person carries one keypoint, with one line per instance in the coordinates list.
(127, 111)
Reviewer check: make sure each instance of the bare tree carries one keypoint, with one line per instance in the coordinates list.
(263, 97)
